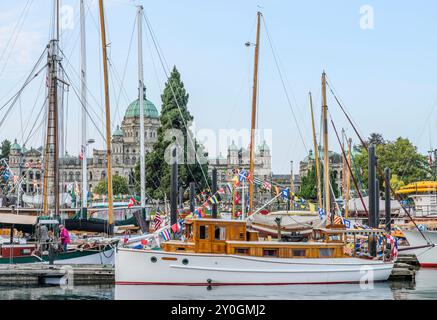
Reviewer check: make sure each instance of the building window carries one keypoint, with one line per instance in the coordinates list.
(203, 232)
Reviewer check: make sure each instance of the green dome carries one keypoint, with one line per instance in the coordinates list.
(118, 132)
(233, 146)
(15, 146)
(150, 111)
(264, 147)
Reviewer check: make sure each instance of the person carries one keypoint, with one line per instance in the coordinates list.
(65, 237)
(43, 237)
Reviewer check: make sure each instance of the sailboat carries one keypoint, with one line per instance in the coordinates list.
(217, 252)
(99, 250)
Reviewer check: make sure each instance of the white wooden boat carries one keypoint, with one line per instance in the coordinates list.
(427, 255)
(220, 252)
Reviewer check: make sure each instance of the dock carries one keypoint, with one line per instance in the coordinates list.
(405, 268)
(37, 274)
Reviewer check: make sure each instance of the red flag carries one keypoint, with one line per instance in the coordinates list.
(237, 198)
(131, 202)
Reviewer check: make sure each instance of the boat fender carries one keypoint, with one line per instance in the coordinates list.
(208, 280)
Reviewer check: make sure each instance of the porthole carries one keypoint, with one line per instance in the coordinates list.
(153, 259)
(185, 262)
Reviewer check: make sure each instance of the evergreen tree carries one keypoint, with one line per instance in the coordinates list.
(5, 149)
(174, 116)
(308, 189)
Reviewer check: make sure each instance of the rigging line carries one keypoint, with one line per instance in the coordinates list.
(83, 107)
(284, 87)
(87, 89)
(36, 120)
(382, 175)
(127, 60)
(34, 105)
(20, 21)
(348, 165)
(162, 60)
(18, 95)
(27, 81)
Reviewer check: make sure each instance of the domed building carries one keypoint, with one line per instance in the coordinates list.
(125, 153)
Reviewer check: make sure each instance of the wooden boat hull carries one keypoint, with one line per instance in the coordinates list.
(137, 267)
(427, 256)
(93, 256)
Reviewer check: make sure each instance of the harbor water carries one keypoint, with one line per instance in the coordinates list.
(424, 287)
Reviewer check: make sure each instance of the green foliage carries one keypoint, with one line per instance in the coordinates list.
(119, 185)
(401, 156)
(5, 149)
(309, 184)
(157, 169)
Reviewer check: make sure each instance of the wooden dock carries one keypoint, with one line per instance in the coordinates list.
(405, 268)
(27, 275)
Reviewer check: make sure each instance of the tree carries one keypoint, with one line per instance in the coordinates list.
(5, 149)
(174, 118)
(376, 139)
(119, 185)
(309, 184)
(401, 156)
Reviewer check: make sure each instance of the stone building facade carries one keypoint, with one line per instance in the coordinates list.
(239, 158)
(125, 153)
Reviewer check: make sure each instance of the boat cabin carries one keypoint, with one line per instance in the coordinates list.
(232, 237)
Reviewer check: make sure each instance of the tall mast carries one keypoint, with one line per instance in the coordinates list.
(84, 108)
(141, 93)
(108, 116)
(316, 155)
(51, 161)
(326, 191)
(254, 100)
(348, 179)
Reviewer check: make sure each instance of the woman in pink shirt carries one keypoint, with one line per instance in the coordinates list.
(65, 237)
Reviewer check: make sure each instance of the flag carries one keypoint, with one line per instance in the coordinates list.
(236, 198)
(285, 194)
(250, 177)
(242, 176)
(131, 202)
(338, 220)
(158, 219)
(321, 213)
(267, 186)
(213, 200)
(221, 191)
(257, 181)
(312, 207)
(278, 190)
(166, 235)
(236, 181)
(176, 227)
(347, 223)
(81, 153)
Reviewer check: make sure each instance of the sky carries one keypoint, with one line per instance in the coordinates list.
(382, 66)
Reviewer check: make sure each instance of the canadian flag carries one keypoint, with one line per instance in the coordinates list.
(131, 202)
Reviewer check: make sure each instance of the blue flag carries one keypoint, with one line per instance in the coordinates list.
(242, 175)
(285, 193)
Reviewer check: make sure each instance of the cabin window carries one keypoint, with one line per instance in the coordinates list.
(299, 252)
(241, 235)
(220, 233)
(270, 252)
(242, 251)
(326, 252)
(203, 232)
(180, 249)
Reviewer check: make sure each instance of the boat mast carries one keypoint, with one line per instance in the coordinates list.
(141, 94)
(254, 101)
(108, 116)
(51, 165)
(348, 179)
(316, 155)
(326, 191)
(84, 108)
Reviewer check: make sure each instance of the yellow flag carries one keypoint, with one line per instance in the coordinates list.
(312, 207)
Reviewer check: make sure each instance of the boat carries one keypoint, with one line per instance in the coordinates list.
(424, 248)
(30, 251)
(225, 252)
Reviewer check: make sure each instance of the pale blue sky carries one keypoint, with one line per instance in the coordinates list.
(386, 76)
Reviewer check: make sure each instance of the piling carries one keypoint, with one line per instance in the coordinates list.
(214, 191)
(174, 189)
